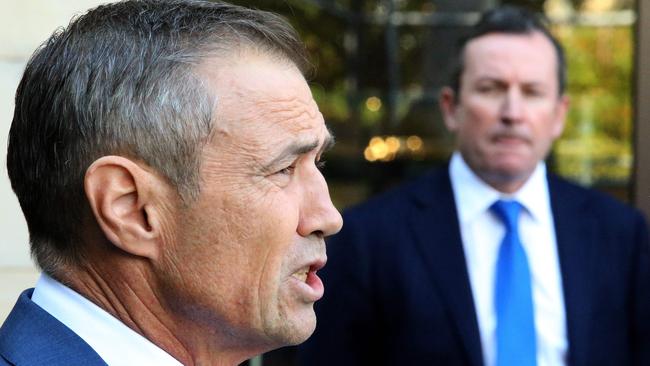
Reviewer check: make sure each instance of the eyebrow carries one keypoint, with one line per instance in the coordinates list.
(301, 148)
(497, 80)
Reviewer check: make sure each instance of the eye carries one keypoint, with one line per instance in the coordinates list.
(488, 88)
(534, 93)
(288, 170)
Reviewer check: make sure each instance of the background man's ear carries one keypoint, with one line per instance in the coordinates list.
(560, 115)
(447, 101)
(119, 192)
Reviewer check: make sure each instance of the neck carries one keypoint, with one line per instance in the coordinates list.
(127, 289)
(505, 186)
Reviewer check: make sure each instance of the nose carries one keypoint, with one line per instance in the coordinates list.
(512, 108)
(318, 216)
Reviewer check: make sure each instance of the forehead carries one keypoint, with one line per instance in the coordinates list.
(261, 96)
(529, 56)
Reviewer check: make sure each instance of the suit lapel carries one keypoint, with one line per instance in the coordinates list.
(31, 336)
(574, 227)
(437, 235)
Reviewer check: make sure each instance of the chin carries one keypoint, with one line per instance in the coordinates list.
(305, 331)
(298, 329)
(300, 332)
(512, 167)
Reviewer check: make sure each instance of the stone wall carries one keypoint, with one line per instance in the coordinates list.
(25, 25)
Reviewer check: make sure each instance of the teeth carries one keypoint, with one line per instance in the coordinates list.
(301, 275)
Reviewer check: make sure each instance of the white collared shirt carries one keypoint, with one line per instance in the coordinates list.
(116, 343)
(482, 232)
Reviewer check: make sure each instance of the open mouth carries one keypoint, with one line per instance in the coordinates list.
(301, 275)
(309, 285)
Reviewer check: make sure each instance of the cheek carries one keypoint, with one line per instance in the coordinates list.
(476, 124)
(277, 226)
(482, 110)
(271, 225)
(278, 231)
(477, 117)
(546, 127)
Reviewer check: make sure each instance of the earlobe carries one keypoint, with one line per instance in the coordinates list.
(447, 101)
(562, 109)
(116, 189)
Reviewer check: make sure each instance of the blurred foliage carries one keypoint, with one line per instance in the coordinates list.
(349, 49)
(596, 145)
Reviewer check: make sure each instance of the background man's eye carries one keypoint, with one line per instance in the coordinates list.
(488, 89)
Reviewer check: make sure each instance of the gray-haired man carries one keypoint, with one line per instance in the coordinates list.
(165, 154)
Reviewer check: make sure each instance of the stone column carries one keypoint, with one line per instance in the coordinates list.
(25, 25)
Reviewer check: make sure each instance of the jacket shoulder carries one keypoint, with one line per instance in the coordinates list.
(31, 336)
(564, 193)
(398, 200)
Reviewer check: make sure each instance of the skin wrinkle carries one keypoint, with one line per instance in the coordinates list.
(227, 229)
(143, 81)
(235, 227)
(283, 112)
(248, 232)
(122, 312)
(103, 296)
(140, 323)
(152, 312)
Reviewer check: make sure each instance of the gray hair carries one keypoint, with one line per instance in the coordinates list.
(121, 79)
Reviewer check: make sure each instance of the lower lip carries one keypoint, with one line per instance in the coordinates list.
(312, 289)
(509, 141)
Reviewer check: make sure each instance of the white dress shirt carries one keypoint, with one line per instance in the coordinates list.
(116, 344)
(482, 232)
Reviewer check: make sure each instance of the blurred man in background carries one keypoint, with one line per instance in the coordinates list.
(491, 261)
(165, 155)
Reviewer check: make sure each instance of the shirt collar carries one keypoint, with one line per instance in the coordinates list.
(116, 343)
(474, 196)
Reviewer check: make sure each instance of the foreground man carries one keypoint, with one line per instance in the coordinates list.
(165, 155)
(491, 261)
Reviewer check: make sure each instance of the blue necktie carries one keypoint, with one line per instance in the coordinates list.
(516, 341)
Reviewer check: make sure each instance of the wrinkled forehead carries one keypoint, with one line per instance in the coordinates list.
(262, 93)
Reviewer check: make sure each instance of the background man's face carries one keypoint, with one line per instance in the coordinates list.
(508, 112)
(246, 251)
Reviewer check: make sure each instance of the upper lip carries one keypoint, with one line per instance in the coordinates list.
(317, 264)
(510, 135)
(313, 265)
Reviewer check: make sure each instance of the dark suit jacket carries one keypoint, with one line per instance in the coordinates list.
(397, 290)
(32, 337)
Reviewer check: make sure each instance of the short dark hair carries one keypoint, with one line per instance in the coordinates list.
(122, 79)
(512, 20)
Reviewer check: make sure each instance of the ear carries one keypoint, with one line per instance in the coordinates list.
(119, 192)
(448, 105)
(560, 116)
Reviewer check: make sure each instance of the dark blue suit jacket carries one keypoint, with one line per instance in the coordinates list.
(32, 337)
(397, 290)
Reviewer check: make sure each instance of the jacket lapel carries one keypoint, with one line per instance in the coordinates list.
(574, 227)
(437, 235)
(31, 336)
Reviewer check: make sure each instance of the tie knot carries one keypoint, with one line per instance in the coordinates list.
(507, 212)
